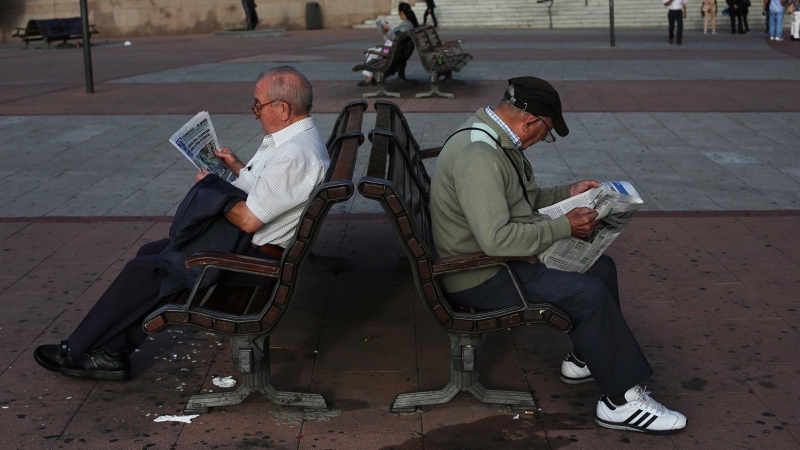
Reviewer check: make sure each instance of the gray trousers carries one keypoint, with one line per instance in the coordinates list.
(599, 331)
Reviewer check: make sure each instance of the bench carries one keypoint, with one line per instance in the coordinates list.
(49, 30)
(389, 61)
(248, 315)
(396, 177)
(438, 58)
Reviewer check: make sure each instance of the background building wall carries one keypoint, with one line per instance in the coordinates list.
(115, 18)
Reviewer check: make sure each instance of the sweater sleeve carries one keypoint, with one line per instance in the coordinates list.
(550, 196)
(480, 183)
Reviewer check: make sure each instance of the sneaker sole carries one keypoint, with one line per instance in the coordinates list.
(107, 375)
(616, 426)
(569, 380)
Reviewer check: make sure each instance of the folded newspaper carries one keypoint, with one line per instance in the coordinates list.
(615, 203)
(198, 142)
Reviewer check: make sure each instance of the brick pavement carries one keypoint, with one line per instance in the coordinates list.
(709, 286)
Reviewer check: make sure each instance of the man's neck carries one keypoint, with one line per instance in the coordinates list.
(287, 124)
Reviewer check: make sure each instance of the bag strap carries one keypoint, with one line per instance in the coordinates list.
(505, 150)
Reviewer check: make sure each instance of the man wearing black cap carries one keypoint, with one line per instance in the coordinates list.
(484, 199)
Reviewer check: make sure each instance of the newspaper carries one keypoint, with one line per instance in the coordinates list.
(198, 142)
(615, 203)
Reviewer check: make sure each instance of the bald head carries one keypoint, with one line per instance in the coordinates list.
(285, 83)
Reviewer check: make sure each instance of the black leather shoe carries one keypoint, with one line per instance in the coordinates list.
(99, 365)
(51, 357)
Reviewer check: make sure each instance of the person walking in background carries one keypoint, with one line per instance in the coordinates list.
(794, 10)
(735, 11)
(745, 11)
(431, 6)
(709, 10)
(775, 10)
(676, 13)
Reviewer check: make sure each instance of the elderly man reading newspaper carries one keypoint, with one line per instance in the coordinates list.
(484, 198)
(289, 164)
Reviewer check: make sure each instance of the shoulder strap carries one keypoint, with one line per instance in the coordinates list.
(505, 150)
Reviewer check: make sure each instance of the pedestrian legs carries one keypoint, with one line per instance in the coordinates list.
(796, 25)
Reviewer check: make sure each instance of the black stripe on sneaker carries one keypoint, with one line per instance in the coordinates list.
(652, 419)
(639, 422)
(633, 416)
(608, 403)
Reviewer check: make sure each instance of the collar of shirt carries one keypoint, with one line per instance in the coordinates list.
(514, 138)
(281, 136)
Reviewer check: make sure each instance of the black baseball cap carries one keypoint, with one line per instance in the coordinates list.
(538, 97)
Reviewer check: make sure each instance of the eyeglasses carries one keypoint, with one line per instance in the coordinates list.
(257, 106)
(549, 137)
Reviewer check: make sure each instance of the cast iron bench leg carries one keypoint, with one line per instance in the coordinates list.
(464, 355)
(251, 360)
(380, 81)
(434, 89)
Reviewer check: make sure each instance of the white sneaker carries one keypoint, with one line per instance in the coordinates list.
(574, 371)
(778, 38)
(705, 31)
(641, 413)
(772, 38)
(713, 31)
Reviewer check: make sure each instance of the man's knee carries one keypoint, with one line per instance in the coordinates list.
(604, 268)
(152, 248)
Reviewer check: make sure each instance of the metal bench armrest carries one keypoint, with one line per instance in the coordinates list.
(249, 264)
(460, 263)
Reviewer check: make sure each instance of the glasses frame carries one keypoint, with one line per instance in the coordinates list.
(549, 137)
(258, 106)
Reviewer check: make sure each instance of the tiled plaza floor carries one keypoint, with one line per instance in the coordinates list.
(709, 272)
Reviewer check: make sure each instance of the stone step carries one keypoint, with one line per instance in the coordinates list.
(565, 14)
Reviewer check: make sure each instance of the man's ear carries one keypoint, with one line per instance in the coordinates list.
(530, 121)
(286, 111)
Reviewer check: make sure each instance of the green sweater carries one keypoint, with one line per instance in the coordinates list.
(477, 203)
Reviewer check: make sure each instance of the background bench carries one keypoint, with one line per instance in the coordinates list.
(396, 177)
(438, 58)
(249, 315)
(50, 30)
(389, 63)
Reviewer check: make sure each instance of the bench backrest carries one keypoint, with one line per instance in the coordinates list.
(261, 309)
(398, 180)
(54, 29)
(399, 151)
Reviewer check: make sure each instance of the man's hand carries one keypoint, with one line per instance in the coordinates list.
(582, 186)
(230, 160)
(200, 175)
(581, 221)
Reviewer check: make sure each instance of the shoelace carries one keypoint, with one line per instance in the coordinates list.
(649, 402)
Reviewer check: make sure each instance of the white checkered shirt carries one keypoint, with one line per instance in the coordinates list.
(281, 176)
(514, 138)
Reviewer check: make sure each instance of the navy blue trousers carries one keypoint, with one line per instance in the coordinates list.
(599, 331)
(115, 321)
